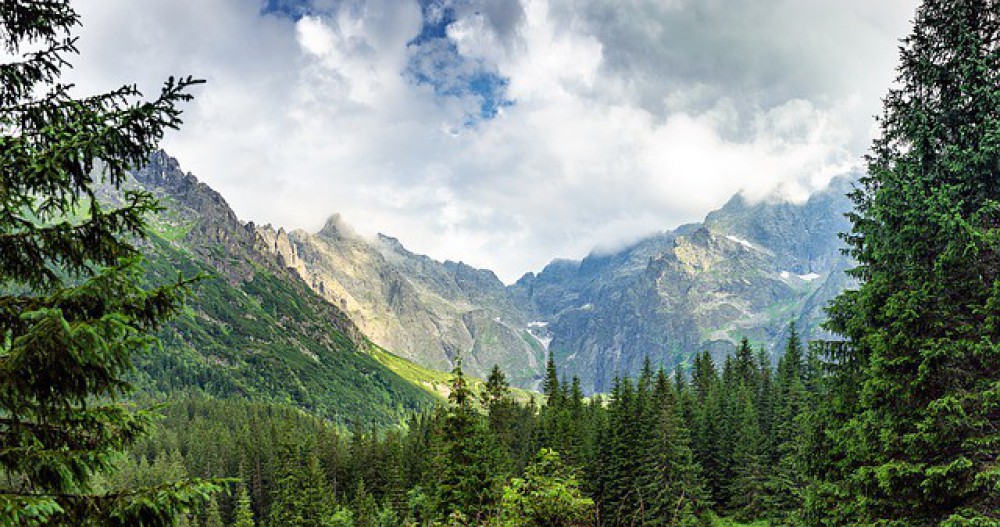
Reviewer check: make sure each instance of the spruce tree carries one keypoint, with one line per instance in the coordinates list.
(470, 464)
(919, 442)
(678, 475)
(364, 508)
(707, 425)
(301, 495)
(748, 486)
(647, 491)
(550, 384)
(788, 433)
(497, 388)
(213, 516)
(72, 311)
(243, 513)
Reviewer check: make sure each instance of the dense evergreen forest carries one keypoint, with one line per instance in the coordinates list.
(661, 449)
(894, 423)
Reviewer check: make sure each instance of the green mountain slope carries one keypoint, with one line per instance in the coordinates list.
(252, 328)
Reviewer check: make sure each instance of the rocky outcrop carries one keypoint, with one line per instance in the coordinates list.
(421, 309)
(748, 270)
(216, 236)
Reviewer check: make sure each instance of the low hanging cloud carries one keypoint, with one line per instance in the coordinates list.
(506, 132)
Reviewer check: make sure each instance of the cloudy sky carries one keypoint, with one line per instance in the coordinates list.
(505, 133)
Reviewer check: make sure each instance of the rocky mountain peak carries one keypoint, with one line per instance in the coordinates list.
(336, 228)
(163, 175)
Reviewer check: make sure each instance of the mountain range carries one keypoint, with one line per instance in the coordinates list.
(341, 324)
(748, 270)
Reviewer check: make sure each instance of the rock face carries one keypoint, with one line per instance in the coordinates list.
(418, 308)
(747, 270)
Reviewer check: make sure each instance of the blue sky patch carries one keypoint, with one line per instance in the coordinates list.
(294, 9)
(436, 62)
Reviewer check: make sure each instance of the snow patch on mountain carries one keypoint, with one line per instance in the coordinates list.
(740, 241)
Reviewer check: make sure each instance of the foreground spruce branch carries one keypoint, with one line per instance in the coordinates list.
(72, 312)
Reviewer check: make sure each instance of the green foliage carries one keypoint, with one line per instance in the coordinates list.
(243, 513)
(470, 463)
(301, 495)
(342, 517)
(914, 391)
(635, 458)
(550, 384)
(547, 496)
(72, 310)
(213, 517)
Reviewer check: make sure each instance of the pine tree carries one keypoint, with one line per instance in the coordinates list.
(243, 513)
(744, 366)
(470, 465)
(650, 493)
(704, 375)
(364, 508)
(748, 486)
(213, 516)
(394, 493)
(678, 475)
(922, 431)
(497, 388)
(301, 495)
(788, 433)
(706, 425)
(72, 312)
(726, 412)
(550, 384)
(626, 471)
(764, 401)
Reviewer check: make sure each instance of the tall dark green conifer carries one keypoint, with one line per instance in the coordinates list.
(679, 476)
(921, 436)
(72, 312)
(748, 494)
(497, 388)
(301, 494)
(550, 384)
(788, 433)
(708, 408)
(471, 464)
(213, 516)
(243, 513)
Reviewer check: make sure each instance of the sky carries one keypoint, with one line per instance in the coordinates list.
(505, 133)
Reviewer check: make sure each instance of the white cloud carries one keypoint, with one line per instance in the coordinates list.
(629, 117)
(314, 36)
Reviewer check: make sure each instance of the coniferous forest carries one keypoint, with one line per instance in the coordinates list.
(892, 421)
